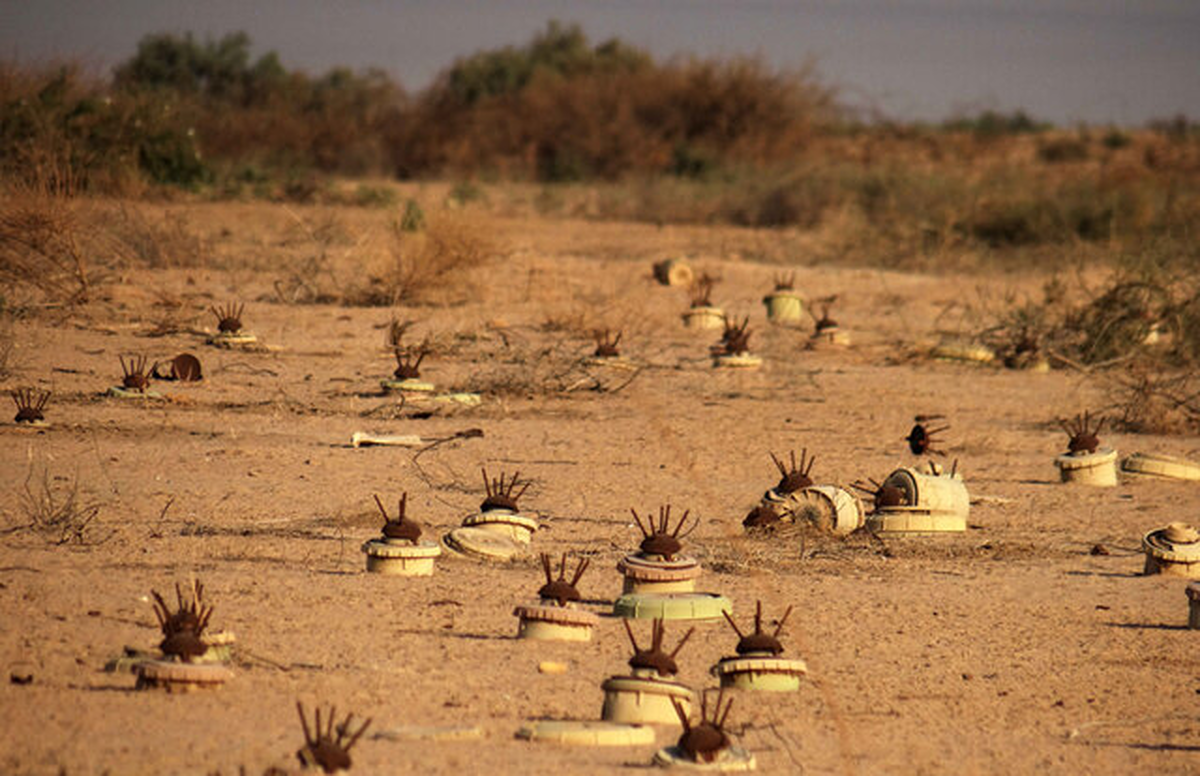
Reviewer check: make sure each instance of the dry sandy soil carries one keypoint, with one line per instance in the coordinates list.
(1010, 648)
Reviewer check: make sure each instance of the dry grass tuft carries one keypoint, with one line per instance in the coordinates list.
(57, 512)
(42, 247)
(159, 243)
(429, 266)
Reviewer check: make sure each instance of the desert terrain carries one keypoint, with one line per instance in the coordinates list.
(1011, 647)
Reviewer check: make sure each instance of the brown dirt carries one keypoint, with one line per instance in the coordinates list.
(1009, 648)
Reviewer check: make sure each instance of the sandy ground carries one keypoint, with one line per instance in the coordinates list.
(1010, 648)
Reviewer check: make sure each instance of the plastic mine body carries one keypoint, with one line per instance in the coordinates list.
(398, 557)
(704, 318)
(643, 699)
(933, 504)
(1173, 550)
(655, 574)
(550, 622)
(784, 306)
(511, 524)
(1098, 469)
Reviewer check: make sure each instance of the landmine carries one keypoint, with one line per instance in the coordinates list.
(607, 354)
(673, 272)
(1164, 466)
(915, 503)
(703, 314)
(30, 407)
(586, 733)
(826, 332)
(733, 351)
(499, 512)
(648, 695)
(400, 551)
(659, 581)
(1085, 461)
(705, 746)
(828, 508)
(230, 334)
(759, 664)
(135, 381)
(784, 305)
(1173, 550)
(182, 646)
(952, 350)
(555, 618)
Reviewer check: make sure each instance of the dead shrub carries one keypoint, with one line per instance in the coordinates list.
(1145, 400)
(42, 247)
(429, 266)
(53, 507)
(157, 243)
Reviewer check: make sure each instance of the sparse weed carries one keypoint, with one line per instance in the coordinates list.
(429, 267)
(42, 246)
(53, 507)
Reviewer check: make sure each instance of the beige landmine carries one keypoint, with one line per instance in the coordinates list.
(1085, 461)
(1173, 550)
(230, 334)
(924, 504)
(659, 580)
(759, 663)
(828, 508)
(784, 305)
(659, 565)
(703, 314)
(183, 647)
(586, 733)
(31, 404)
(649, 694)
(556, 617)
(826, 331)
(399, 550)
(1164, 466)
(733, 351)
(673, 272)
(705, 746)
(969, 352)
(135, 380)
(499, 512)
(481, 544)
(369, 439)
(1193, 595)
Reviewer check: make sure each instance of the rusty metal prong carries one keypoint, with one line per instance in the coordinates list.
(729, 619)
(778, 464)
(382, 511)
(546, 567)
(308, 739)
(632, 638)
(721, 722)
(354, 738)
(582, 567)
(683, 718)
(682, 520)
(682, 641)
(638, 520)
(954, 468)
(782, 620)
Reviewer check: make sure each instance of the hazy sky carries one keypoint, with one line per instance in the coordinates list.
(1098, 61)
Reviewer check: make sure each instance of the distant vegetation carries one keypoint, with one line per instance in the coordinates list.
(686, 140)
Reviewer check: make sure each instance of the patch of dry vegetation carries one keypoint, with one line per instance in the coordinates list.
(44, 247)
(53, 507)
